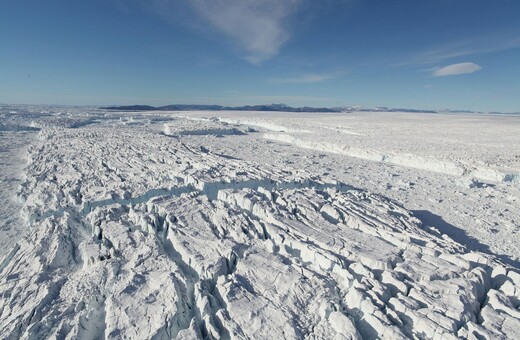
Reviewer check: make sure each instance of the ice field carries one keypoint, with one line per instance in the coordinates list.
(267, 225)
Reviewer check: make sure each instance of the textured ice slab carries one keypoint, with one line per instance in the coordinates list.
(15, 135)
(457, 172)
(137, 234)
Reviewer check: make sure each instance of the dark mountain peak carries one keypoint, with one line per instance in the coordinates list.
(130, 108)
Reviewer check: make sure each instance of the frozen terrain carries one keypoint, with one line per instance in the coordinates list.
(201, 225)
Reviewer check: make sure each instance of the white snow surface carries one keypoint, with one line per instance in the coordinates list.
(234, 225)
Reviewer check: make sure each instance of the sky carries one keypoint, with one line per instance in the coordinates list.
(441, 54)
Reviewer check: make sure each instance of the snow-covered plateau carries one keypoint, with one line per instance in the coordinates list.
(268, 225)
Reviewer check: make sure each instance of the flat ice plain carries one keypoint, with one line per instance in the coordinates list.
(209, 225)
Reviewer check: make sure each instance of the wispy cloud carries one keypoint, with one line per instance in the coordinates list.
(307, 78)
(456, 69)
(257, 27)
(459, 49)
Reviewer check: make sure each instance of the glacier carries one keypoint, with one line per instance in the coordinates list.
(235, 225)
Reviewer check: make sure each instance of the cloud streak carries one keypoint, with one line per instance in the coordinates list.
(456, 69)
(306, 78)
(257, 27)
(478, 46)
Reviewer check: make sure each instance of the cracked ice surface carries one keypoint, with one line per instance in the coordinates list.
(136, 232)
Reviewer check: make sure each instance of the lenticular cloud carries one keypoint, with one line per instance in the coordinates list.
(456, 69)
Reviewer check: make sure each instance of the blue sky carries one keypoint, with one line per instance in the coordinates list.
(457, 54)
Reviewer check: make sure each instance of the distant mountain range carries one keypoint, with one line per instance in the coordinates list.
(176, 107)
(271, 107)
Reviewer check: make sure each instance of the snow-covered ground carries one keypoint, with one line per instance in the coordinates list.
(259, 225)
